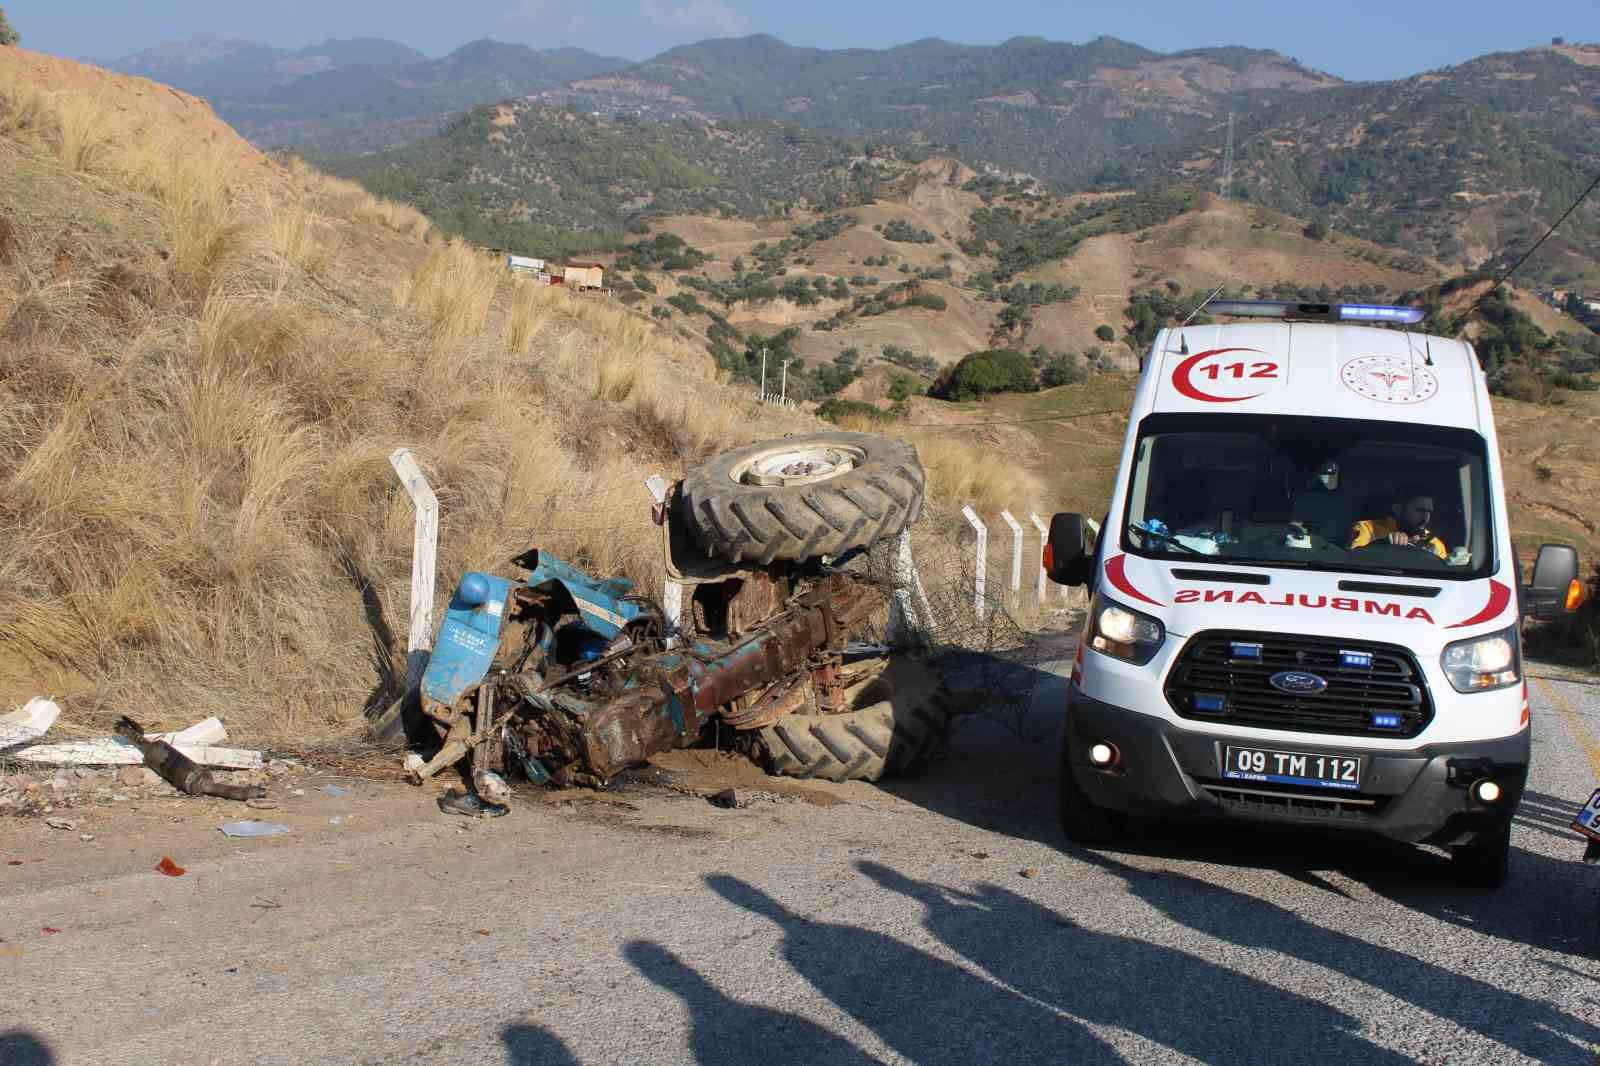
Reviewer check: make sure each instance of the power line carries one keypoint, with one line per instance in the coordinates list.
(1461, 322)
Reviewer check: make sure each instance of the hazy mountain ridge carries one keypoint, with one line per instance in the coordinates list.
(356, 95)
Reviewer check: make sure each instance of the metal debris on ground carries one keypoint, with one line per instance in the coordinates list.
(254, 828)
(569, 679)
(181, 772)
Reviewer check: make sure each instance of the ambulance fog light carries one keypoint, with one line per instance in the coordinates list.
(1486, 792)
(1102, 754)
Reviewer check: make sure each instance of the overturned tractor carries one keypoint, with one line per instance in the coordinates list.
(566, 678)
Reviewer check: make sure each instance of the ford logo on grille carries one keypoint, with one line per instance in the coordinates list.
(1298, 682)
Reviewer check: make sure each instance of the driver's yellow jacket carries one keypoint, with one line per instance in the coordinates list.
(1368, 530)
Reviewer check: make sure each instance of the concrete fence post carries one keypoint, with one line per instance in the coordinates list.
(671, 591)
(909, 607)
(1044, 535)
(981, 559)
(424, 551)
(1016, 555)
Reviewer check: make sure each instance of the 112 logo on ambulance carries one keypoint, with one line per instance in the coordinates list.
(1227, 375)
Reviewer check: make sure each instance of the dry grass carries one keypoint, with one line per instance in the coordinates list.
(963, 469)
(195, 495)
(85, 132)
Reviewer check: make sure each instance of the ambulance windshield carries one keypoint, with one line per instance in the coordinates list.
(1323, 493)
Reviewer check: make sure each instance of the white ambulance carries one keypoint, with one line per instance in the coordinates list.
(1305, 608)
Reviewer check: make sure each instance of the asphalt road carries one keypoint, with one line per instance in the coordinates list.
(896, 926)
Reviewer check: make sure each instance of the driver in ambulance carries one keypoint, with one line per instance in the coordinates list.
(1407, 523)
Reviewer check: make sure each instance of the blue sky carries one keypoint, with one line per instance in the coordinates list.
(1358, 39)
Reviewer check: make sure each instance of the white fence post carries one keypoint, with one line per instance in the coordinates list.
(671, 591)
(981, 560)
(1044, 535)
(910, 604)
(1016, 555)
(424, 549)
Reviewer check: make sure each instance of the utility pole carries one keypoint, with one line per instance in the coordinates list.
(1227, 164)
(763, 375)
(784, 394)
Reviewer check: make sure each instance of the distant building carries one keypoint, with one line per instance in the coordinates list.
(584, 275)
(522, 264)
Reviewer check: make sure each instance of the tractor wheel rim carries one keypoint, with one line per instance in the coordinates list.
(797, 465)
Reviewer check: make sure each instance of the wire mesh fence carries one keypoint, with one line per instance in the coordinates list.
(985, 646)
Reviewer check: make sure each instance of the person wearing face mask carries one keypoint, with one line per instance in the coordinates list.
(1407, 523)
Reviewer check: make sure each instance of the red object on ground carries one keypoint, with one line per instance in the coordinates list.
(170, 868)
(49, 929)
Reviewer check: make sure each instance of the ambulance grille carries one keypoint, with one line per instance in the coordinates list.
(1225, 676)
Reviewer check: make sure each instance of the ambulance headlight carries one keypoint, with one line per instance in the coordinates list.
(1123, 633)
(1483, 663)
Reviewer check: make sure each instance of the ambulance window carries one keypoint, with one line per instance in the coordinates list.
(1320, 493)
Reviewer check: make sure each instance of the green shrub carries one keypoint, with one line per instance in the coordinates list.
(982, 373)
(835, 409)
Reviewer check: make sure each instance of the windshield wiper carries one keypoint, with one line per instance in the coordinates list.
(1167, 540)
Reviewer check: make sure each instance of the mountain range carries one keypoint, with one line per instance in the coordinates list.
(1466, 164)
(358, 94)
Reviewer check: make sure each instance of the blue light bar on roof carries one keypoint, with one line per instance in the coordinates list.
(1380, 313)
(1384, 313)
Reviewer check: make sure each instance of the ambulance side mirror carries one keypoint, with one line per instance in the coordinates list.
(1555, 588)
(1069, 550)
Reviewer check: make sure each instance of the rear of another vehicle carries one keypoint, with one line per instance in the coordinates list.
(1305, 604)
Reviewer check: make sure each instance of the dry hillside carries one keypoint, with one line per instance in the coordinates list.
(1233, 243)
(205, 361)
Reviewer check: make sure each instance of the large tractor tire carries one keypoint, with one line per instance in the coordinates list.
(894, 727)
(803, 496)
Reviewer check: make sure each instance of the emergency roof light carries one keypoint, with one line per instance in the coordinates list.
(1388, 313)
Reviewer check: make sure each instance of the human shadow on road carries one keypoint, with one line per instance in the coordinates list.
(18, 1047)
(928, 1010)
(1168, 996)
(1535, 1029)
(529, 1045)
(727, 1032)
(1552, 815)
